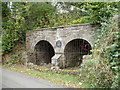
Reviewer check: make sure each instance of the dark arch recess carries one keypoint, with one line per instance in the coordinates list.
(74, 51)
(44, 52)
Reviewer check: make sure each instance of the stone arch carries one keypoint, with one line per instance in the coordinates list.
(44, 51)
(74, 51)
(39, 38)
(72, 37)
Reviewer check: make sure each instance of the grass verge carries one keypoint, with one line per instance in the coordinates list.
(66, 80)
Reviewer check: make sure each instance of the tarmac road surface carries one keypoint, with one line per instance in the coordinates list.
(11, 79)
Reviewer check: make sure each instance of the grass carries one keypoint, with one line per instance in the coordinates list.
(0, 64)
(66, 80)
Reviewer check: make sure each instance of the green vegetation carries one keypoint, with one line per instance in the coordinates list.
(101, 70)
(95, 12)
(111, 48)
(15, 59)
(22, 17)
(103, 67)
(61, 79)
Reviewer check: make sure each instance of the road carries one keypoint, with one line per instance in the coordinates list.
(11, 79)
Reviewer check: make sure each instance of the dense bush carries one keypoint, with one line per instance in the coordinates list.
(103, 70)
(13, 29)
(96, 73)
(111, 52)
(22, 17)
(15, 59)
(96, 12)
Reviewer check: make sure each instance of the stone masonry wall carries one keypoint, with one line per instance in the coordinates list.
(65, 34)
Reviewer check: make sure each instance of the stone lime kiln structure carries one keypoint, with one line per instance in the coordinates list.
(63, 46)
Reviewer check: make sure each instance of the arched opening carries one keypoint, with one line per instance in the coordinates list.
(74, 51)
(44, 52)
